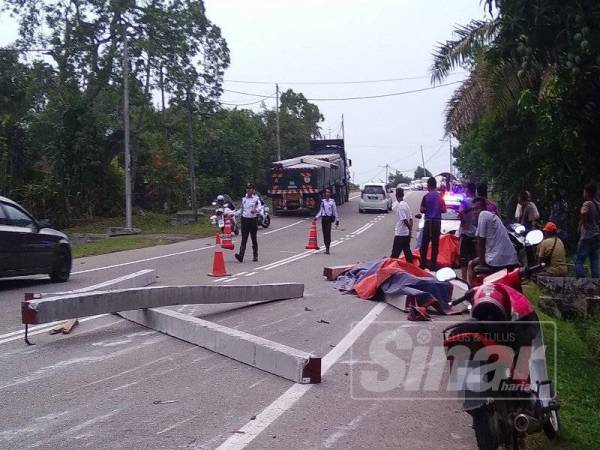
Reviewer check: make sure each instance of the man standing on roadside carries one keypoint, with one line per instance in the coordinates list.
(328, 214)
(482, 191)
(403, 230)
(467, 229)
(249, 211)
(432, 206)
(589, 232)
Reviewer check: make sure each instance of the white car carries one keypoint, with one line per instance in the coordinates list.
(450, 219)
(373, 197)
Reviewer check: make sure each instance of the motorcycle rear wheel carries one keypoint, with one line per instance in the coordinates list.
(266, 222)
(487, 426)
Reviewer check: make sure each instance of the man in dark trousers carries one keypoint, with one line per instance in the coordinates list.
(249, 211)
(328, 214)
(432, 206)
(403, 229)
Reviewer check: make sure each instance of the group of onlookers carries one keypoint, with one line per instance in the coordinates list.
(485, 245)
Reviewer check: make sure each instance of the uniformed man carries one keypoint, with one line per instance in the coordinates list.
(328, 214)
(249, 211)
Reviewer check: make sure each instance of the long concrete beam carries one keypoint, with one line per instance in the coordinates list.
(77, 305)
(133, 280)
(272, 357)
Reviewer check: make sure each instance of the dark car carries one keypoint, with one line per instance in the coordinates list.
(29, 246)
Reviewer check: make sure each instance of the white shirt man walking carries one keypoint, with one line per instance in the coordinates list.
(249, 211)
(328, 214)
(403, 229)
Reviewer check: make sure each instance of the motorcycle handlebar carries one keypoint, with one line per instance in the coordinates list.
(467, 297)
(527, 271)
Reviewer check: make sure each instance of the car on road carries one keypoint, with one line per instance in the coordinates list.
(29, 246)
(450, 219)
(373, 197)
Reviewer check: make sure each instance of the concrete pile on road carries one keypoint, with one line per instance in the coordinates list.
(137, 305)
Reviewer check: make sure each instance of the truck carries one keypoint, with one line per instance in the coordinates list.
(298, 184)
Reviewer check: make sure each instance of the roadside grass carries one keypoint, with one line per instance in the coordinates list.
(151, 224)
(148, 222)
(117, 244)
(578, 372)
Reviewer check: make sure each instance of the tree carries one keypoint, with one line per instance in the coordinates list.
(398, 177)
(420, 172)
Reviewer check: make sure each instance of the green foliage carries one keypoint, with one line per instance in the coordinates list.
(61, 124)
(527, 117)
(396, 178)
(421, 172)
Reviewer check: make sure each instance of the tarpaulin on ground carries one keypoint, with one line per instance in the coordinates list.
(393, 276)
(448, 252)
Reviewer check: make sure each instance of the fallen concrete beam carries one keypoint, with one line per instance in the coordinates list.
(278, 359)
(133, 280)
(332, 272)
(84, 304)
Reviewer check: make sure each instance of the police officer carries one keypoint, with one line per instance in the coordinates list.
(249, 211)
(328, 214)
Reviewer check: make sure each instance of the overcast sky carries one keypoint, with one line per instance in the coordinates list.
(298, 41)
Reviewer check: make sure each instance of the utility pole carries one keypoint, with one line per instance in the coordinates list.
(191, 161)
(277, 121)
(423, 160)
(342, 126)
(387, 168)
(451, 164)
(128, 218)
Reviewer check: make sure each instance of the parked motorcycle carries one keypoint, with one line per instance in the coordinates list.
(498, 362)
(263, 216)
(224, 210)
(521, 241)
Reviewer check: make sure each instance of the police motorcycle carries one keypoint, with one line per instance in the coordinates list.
(263, 217)
(224, 209)
(498, 362)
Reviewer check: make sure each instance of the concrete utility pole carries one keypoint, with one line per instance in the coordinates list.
(128, 215)
(342, 126)
(451, 162)
(277, 120)
(423, 160)
(387, 168)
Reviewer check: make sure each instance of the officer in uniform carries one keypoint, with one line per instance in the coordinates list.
(328, 214)
(249, 211)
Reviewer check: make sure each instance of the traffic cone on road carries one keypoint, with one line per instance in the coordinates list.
(227, 241)
(312, 237)
(218, 269)
(218, 239)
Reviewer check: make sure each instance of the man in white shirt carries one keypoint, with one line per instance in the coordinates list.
(249, 211)
(328, 214)
(403, 230)
(494, 249)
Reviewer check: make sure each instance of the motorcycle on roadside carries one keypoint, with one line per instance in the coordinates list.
(263, 217)
(224, 209)
(498, 362)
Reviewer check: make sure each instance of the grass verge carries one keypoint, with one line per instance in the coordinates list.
(578, 372)
(117, 244)
(156, 230)
(148, 222)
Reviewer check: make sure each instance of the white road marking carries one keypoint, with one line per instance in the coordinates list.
(251, 273)
(239, 274)
(144, 260)
(252, 429)
(229, 280)
(356, 196)
(283, 228)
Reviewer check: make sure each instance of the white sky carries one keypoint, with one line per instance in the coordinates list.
(346, 40)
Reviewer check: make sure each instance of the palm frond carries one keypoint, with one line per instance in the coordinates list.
(471, 38)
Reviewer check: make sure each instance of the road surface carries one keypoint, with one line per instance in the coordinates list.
(114, 384)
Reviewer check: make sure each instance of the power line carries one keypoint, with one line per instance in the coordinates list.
(250, 94)
(366, 97)
(386, 80)
(249, 103)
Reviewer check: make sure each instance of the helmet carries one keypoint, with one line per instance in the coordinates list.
(491, 303)
(220, 199)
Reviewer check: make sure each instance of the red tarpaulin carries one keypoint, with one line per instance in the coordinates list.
(367, 287)
(448, 253)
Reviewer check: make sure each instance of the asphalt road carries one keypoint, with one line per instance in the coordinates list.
(114, 384)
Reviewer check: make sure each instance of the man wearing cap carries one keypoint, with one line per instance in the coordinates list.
(552, 252)
(249, 212)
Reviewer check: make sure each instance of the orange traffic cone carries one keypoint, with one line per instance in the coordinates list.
(218, 269)
(312, 237)
(227, 241)
(218, 239)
